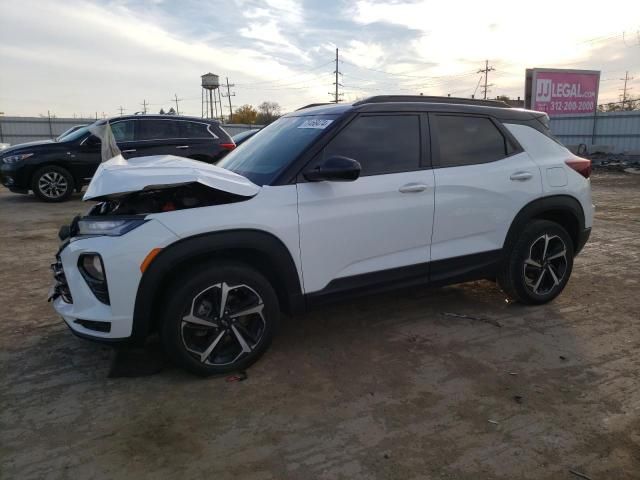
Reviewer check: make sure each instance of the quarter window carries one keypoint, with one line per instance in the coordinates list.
(467, 140)
(157, 129)
(123, 131)
(381, 143)
(193, 130)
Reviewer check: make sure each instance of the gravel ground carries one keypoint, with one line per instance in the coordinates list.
(391, 386)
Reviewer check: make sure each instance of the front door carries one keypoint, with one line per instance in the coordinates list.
(377, 228)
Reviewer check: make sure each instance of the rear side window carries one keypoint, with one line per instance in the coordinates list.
(157, 129)
(466, 140)
(381, 143)
(123, 131)
(194, 130)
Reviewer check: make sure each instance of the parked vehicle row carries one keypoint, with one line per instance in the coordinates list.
(54, 169)
(327, 202)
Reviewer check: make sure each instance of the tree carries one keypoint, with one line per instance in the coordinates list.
(171, 111)
(628, 105)
(162, 111)
(268, 112)
(245, 114)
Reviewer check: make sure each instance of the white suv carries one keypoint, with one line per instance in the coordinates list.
(328, 201)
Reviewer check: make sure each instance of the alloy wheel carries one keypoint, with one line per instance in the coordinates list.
(53, 185)
(224, 323)
(545, 268)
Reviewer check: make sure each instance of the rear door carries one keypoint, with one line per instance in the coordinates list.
(482, 178)
(377, 228)
(159, 136)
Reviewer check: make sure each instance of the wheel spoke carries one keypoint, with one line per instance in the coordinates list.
(537, 285)
(532, 263)
(248, 311)
(224, 293)
(546, 246)
(554, 276)
(243, 343)
(198, 321)
(204, 355)
(561, 254)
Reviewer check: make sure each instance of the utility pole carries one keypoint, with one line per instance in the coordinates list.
(144, 106)
(486, 71)
(229, 95)
(336, 95)
(177, 100)
(121, 110)
(625, 89)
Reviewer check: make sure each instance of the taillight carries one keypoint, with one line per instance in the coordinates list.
(228, 146)
(580, 165)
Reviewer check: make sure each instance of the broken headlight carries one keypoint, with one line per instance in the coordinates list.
(108, 227)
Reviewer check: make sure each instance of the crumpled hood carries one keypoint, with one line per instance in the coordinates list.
(120, 176)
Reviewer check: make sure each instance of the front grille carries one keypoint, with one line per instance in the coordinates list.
(60, 286)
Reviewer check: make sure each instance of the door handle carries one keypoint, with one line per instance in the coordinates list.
(413, 188)
(521, 176)
(128, 151)
(182, 147)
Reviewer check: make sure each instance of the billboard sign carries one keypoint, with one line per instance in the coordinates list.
(562, 92)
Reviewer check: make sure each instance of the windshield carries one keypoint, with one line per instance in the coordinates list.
(67, 137)
(273, 148)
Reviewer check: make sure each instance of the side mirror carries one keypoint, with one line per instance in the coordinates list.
(335, 169)
(92, 141)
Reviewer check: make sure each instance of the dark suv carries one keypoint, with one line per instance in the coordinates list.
(53, 169)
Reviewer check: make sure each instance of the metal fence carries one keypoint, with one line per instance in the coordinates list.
(610, 132)
(14, 130)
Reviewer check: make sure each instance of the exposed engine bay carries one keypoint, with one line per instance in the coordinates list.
(163, 199)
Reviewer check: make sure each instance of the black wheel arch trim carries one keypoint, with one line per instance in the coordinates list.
(211, 245)
(542, 208)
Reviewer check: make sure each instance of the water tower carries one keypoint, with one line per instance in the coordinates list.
(211, 95)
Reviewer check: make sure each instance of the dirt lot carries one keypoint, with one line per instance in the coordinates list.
(382, 387)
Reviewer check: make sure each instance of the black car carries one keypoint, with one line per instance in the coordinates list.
(53, 169)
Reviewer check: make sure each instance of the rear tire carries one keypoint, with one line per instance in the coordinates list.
(219, 318)
(52, 184)
(539, 263)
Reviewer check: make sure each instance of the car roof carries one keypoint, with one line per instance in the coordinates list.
(415, 103)
(161, 117)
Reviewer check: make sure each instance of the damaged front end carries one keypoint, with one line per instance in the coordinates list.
(128, 190)
(165, 199)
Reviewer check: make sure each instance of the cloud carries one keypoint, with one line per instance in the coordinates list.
(82, 56)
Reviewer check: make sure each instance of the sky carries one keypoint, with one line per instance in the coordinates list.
(82, 58)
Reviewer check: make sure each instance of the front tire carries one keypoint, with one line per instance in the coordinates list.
(219, 318)
(52, 184)
(539, 264)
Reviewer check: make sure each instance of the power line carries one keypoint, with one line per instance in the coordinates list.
(286, 78)
(486, 71)
(121, 109)
(144, 106)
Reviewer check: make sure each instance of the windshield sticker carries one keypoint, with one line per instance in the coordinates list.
(321, 124)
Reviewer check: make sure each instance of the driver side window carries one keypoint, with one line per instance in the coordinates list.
(123, 131)
(382, 144)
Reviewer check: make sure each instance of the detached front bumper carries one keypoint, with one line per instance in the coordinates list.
(75, 302)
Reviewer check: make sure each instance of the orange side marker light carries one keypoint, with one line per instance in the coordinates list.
(149, 258)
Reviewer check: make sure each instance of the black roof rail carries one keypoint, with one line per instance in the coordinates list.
(314, 105)
(430, 99)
